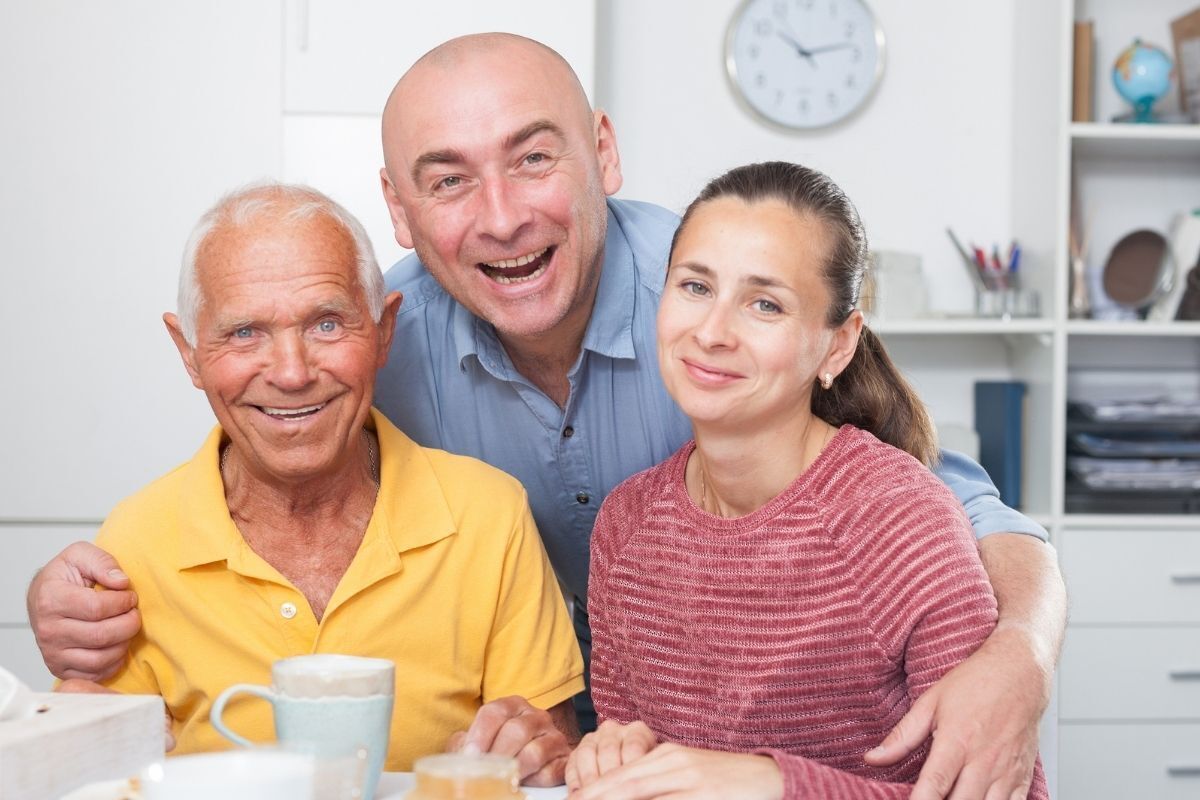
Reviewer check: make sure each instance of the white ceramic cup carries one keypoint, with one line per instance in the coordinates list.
(256, 774)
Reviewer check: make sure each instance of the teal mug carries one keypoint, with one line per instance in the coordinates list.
(331, 706)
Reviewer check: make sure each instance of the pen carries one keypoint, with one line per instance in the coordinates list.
(1014, 262)
(969, 262)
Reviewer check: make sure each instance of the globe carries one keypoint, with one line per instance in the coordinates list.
(1142, 75)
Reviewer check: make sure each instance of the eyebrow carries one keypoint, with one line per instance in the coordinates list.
(753, 280)
(515, 139)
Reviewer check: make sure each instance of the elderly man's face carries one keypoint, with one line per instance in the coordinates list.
(497, 174)
(286, 350)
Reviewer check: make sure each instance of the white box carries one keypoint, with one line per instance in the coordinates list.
(76, 739)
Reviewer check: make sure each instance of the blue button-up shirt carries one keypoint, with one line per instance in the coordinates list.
(448, 383)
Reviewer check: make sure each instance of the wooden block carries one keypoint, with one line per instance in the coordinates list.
(77, 739)
(1081, 99)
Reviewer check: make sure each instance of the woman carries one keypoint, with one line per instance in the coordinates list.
(771, 600)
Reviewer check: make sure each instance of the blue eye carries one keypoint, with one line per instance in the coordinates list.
(244, 332)
(449, 182)
(695, 287)
(327, 326)
(535, 158)
(767, 306)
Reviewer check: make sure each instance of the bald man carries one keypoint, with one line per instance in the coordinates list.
(526, 339)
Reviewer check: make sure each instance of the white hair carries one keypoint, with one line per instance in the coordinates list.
(291, 203)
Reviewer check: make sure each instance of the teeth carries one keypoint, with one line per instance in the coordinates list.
(513, 263)
(291, 412)
(505, 280)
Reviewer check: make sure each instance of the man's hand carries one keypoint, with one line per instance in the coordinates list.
(539, 740)
(82, 633)
(80, 686)
(983, 714)
(684, 773)
(612, 745)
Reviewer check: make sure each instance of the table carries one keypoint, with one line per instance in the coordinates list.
(393, 785)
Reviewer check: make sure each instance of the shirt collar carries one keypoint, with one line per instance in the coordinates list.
(410, 511)
(610, 329)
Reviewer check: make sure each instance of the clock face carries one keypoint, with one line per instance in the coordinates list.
(804, 63)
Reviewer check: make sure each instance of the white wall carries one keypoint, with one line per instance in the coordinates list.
(932, 148)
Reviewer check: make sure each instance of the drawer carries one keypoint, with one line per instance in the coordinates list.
(1116, 576)
(26, 548)
(1120, 762)
(1130, 674)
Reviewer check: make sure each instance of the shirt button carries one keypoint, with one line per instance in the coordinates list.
(568, 432)
(582, 498)
(288, 610)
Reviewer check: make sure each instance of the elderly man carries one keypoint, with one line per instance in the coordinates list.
(308, 523)
(527, 339)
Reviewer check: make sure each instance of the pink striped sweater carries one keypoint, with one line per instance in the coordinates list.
(804, 630)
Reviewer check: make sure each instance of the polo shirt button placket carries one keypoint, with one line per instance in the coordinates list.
(287, 610)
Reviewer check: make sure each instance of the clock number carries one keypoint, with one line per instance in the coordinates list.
(781, 10)
(850, 30)
(856, 54)
(851, 81)
(753, 51)
(778, 97)
(803, 106)
(833, 100)
(760, 80)
(833, 9)
(807, 4)
(763, 27)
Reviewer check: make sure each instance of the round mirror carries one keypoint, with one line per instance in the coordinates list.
(1138, 270)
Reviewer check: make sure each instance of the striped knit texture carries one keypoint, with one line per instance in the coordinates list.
(804, 630)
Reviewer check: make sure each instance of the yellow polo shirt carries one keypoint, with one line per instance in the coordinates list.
(451, 582)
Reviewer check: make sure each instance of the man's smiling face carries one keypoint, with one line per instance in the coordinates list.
(496, 174)
(286, 350)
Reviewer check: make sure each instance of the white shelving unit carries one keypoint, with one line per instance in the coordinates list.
(1128, 705)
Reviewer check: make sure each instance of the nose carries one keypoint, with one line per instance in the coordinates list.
(290, 368)
(504, 210)
(716, 329)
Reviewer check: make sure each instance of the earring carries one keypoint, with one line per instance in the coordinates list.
(827, 380)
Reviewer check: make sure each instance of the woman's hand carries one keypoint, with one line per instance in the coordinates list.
(612, 745)
(684, 773)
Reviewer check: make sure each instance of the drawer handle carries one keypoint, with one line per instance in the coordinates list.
(1185, 577)
(1185, 674)
(1188, 771)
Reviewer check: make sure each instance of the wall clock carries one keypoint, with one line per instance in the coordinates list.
(804, 64)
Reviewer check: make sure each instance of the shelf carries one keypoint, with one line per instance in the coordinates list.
(1086, 327)
(937, 326)
(1133, 141)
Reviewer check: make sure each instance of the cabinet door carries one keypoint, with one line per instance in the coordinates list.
(1120, 762)
(1124, 576)
(123, 121)
(1130, 674)
(344, 56)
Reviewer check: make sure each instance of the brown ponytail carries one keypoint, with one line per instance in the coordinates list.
(870, 393)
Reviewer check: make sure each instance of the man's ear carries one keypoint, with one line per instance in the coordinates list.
(186, 351)
(399, 218)
(845, 343)
(387, 325)
(607, 153)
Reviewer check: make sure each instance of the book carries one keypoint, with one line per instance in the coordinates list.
(999, 421)
(1084, 89)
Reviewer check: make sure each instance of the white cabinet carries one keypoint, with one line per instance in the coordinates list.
(124, 120)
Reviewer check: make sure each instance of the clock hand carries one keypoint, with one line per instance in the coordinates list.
(829, 47)
(800, 50)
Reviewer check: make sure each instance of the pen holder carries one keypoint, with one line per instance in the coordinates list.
(1007, 303)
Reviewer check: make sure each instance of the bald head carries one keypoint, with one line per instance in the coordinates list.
(489, 62)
